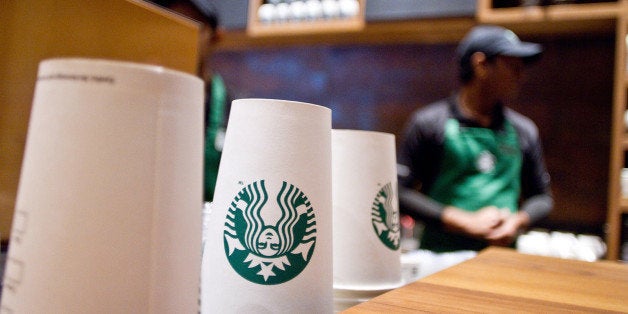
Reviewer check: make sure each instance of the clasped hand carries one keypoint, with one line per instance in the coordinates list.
(494, 225)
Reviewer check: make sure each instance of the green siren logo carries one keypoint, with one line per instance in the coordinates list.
(385, 217)
(269, 242)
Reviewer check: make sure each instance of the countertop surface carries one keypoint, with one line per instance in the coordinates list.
(502, 280)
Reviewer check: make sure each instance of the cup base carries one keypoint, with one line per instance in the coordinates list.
(346, 297)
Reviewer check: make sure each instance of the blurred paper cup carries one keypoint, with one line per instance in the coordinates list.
(268, 244)
(366, 211)
(108, 213)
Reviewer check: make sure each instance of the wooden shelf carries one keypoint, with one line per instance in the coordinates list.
(255, 27)
(574, 19)
(592, 20)
(624, 142)
(617, 203)
(563, 12)
(623, 205)
(306, 27)
(423, 31)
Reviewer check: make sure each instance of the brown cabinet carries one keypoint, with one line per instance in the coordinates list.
(618, 203)
(34, 30)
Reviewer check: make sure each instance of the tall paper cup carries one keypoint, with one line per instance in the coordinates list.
(366, 211)
(108, 212)
(268, 242)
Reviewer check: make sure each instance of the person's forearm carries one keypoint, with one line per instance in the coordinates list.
(521, 220)
(537, 207)
(419, 204)
(455, 219)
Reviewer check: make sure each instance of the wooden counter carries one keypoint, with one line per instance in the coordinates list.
(502, 280)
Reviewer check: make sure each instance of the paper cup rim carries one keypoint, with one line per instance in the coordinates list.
(365, 132)
(281, 101)
(120, 63)
(369, 288)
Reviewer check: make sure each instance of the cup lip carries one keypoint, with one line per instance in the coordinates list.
(121, 63)
(366, 132)
(369, 288)
(283, 101)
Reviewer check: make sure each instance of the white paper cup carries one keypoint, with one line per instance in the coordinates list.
(268, 243)
(366, 211)
(108, 215)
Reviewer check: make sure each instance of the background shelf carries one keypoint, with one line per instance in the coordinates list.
(255, 27)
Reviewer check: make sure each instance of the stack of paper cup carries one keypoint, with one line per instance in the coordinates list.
(367, 258)
(268, 243)
(108, 213)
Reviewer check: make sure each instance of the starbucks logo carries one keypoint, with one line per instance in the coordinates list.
(485, 162)
(269, 237)
(385, 217)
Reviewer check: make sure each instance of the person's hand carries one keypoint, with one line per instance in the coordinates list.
(507, 232)
(479, 224)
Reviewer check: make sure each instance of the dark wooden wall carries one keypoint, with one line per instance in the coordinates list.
(568, 93)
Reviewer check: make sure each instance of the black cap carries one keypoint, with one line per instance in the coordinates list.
(496, 40)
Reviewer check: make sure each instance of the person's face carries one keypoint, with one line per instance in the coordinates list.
(268, 242)
(505, 76)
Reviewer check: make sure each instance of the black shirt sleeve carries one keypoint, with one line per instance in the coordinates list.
(419, 161)
(536, 194)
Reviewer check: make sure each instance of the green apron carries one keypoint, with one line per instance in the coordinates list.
(215, 126)
(481, 167)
